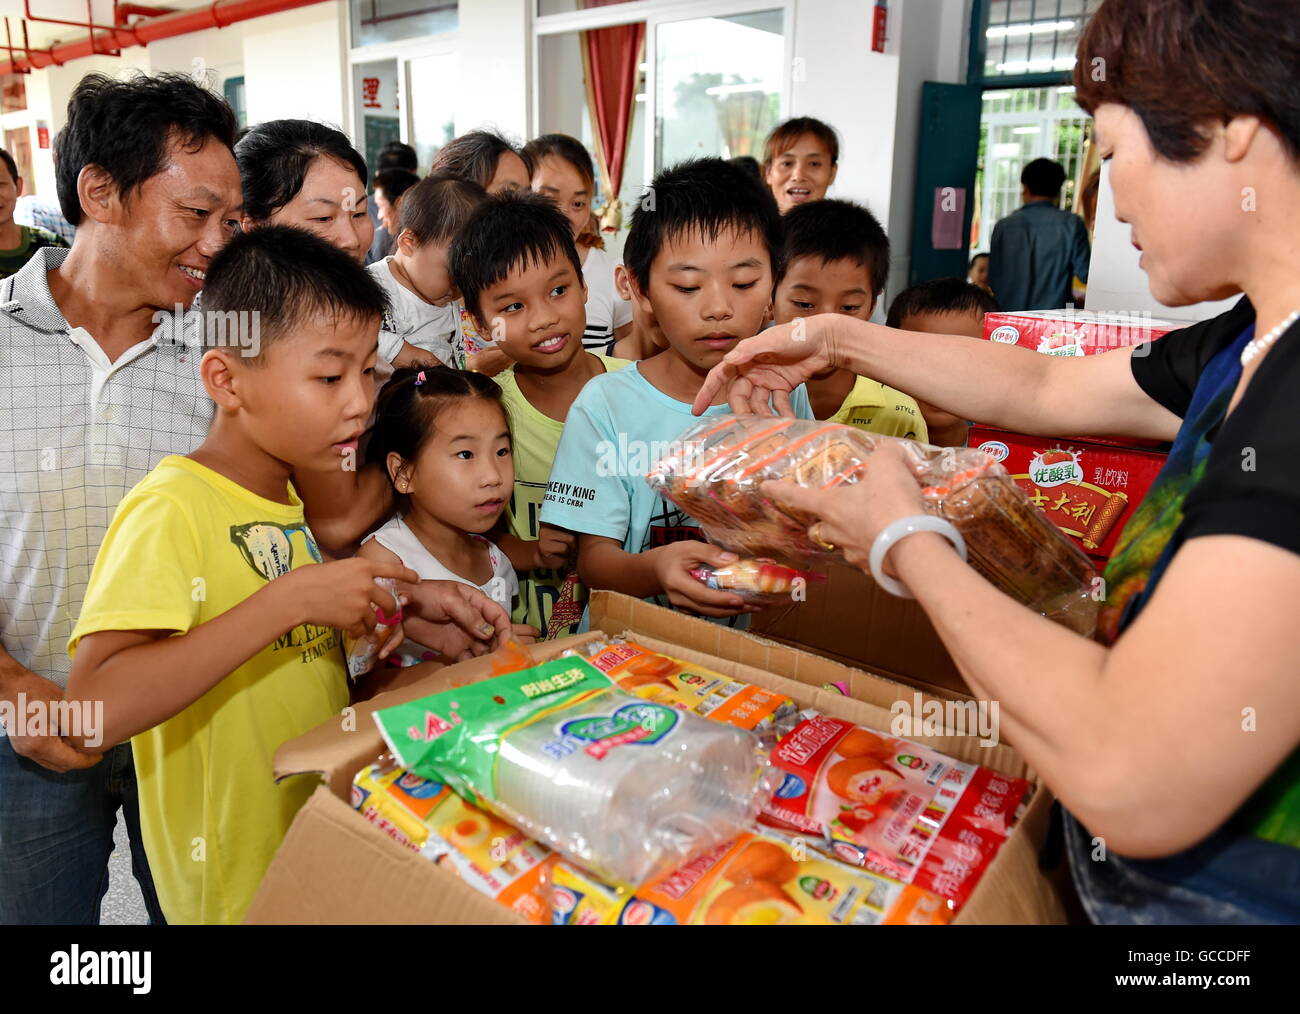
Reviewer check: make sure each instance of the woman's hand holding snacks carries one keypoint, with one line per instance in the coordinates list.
(852, 515)
(760, 372)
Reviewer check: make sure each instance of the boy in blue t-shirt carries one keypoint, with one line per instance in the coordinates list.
(702, 252)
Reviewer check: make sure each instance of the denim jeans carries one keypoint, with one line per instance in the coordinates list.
(1228, 879)
(56, 834)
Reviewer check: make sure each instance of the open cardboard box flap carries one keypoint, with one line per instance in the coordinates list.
(850, 618)
(334, 866)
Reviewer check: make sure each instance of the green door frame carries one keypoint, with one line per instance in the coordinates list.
(978, 49)
(926, 262)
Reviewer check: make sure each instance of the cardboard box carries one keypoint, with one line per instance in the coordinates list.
(1075, 332)
(852, 620)
(1089, 490)
(335, 867)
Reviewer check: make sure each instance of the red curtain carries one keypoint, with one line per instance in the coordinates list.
(610, 59)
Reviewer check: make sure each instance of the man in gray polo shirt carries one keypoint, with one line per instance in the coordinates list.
(96, 386)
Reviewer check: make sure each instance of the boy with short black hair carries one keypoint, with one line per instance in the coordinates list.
(703, 250)
(423, 318)
(837, 261)
(943, 306)
(520, 275)
(208, 628)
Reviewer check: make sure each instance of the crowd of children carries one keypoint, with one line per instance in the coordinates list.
(479, 406)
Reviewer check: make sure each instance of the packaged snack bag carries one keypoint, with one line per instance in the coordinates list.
(756, 580)
(362, 652)
(579, 899)
(624, 786)
(891, 806)
(691, 687)
(396, 801)
(719, 464)
(767, 879)
(484, 851)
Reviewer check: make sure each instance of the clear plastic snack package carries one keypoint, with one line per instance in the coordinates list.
(493, 857)
(656, 677)
(716, 467)
(891, 806)
(362, 652)
(756, 879)
(626, 787)
(756, 580)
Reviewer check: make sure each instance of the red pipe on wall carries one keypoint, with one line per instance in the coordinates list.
(167, 26)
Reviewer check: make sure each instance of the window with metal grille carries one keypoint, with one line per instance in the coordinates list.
(1023, 38)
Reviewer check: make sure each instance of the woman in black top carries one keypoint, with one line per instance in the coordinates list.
(1172, 738)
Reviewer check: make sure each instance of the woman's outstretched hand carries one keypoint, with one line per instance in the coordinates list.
(760, 372)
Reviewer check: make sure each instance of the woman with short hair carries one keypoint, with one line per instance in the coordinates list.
(1172, 738)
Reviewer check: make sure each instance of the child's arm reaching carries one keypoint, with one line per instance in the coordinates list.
(602, 563)
(144, 677)
(344, 505)
(552, 549)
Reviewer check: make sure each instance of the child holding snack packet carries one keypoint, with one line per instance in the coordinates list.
(701, 253)
(443, 437)
(210, 627)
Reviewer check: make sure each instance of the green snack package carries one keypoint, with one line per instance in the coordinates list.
(624, 786)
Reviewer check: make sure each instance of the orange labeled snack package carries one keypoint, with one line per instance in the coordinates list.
(690, 687)
(490, 855)
(891, 806)
(760, 879)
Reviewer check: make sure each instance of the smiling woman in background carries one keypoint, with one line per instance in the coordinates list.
(800, 160)
(305, 174)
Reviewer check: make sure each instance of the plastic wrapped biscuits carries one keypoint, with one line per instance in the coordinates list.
(716, 468)
(625, 786)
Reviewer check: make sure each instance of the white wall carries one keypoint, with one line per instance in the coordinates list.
(217, 52)
(874, 99)
(293, 61)
(494, 51)
(294, 64)
(1115, 282)
(838, 79)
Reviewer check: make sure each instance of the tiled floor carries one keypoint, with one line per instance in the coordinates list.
(123, 905)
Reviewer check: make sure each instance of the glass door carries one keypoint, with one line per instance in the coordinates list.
(718, 84)
(377, 104)
(431, 102)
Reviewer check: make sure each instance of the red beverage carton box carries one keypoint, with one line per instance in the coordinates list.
(1075, 332)
(1089, 490)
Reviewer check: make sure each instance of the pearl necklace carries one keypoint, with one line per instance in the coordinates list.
(1258, 345)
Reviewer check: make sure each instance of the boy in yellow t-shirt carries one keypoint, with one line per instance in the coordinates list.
(837, 261)
(209, 624)
(519, 273)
